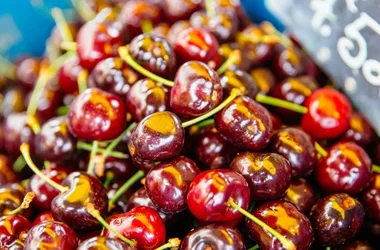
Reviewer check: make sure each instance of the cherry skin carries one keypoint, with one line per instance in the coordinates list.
(43, 217)
(360, 131)
(10, 199)
(27, 70)
(121, 169)
(245, 123)
(276, 122)
(161, 30)
(13, 101)
(147, 97)
(268, 174)
(289, 62)
(103, 243)
(283, 217)
(13, 231)
(70, 206)
(264, 78)
(346, 168)
(197, 90)
(168, 183)
(51, 235)
(241, 60)
(97, 115)
(68, 75)
(6, 173)
(370, 199)
(336, 219)
(198, 45)
(241, 80)
(157, 137)
(328, 114)
(54, 142)
(113, 75)
(298, 148)
(210, 191)
(176, 10)
(301, 194)
(177, 28)
(213, 237)
(142, 224)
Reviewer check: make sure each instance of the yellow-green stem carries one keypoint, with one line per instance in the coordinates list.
(88, 147)
(232, 58)
(320, 149)
(375, 168)
(84, 9)
(172, 243)
(69, 46)
(109, 178)
(62, 24)
(82, 80)
(116, 142)
(91, 164)
(7, 69)
(25, 203)
(255, 247)
(280, 103)
(19, 164)
(210, 8)
(146, 26)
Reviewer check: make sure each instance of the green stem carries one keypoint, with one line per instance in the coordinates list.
(328, 248)
(108, 180)
(91, 164)
(250, 209)
(233, 95)
(88, 147)
(146, 26)
(232, 58)
(123, 52)
(375, 168)
(63, 110)
(280, 103)
(19, 164)
(82, 80)
(205, 123)
(254, 247)
(116, 142)
(7, 69)
(61, 24)
(83, 9)
(24, 205)
(135, 178)
(69, 46)
(175, 242)
(320, 149)
(210, 8)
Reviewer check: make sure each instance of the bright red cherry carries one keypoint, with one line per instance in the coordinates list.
(68, 75)
(13, 231)
(43, 217)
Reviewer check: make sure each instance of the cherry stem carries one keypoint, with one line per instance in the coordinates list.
(175, 242)
(255, 247)
(19, 164)
(63, 110)
(7, 68)
(33, 123)
(233, 95)
(124, 54)
(95, 213)
(82, 80)
(25, 151)
(232, 58)
(280, 103)
(91, 164)
(84, 9)
(24, 205)
(375, 168)
(135, 178)
(269, 39)
(269, 28)
(61, 24)
(210, 8)
(328, 248)
(146, 26)
(88, 147)
(195, 128)
(47, 165)
(69, 46)
(109, 178)
(288, 244)
(320, 149)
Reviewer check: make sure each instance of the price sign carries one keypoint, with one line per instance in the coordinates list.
(343, 36)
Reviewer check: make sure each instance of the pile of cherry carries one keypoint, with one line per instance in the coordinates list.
(180, 125)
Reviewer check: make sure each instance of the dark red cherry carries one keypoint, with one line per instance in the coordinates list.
(241, 60)
(209, 192)
(51, 235)
(264, 79)
(276, 122)
(197, 90)
(245, 123)
(142, 224)
(161, 30)
(285, 218)
(11, 199)
(68, 75)
(13, 231)
(177, 28)
(103, 243)
(13, 101)
(54, 142)
(289, 62)
(121, 169)
(157, 137)
(98, 40)
(6, 173)
(147, 97)
(298, 148)
(27, 71)
(301, 194)
(70, 206)
(198, 45)
(114, 76)
(167, 184)
(268, 174)
(328, 115)
(336, 219)
(43, 217)
(176, 10)
(346, 168)
(43, 191)
(360, 131)
(213, 237)
(370, 199)
(236, 7)
(97, 115)
(241, 80)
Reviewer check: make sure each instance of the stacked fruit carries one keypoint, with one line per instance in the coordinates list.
(180, 125)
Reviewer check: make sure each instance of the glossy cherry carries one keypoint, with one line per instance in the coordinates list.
(161, 30)
(43, 217)
(13, 231)
(289, 62)
(177, 28)
(210, 191)
(196, 90)
(360, 131)
(51, 235)
(241, 80)
(27, 70)
(328, 115)
(97, 115)
(370, 199)
(268, 174)
(176, 10)
(298, 148)
(121, 169)
(68, 75)
(142, 224)
(13, 101)
(301, 194)
(241, 60)
(245, 123)
(264, 78)
(336, 219)
(10, 199)
(6, 173)
(104, 243)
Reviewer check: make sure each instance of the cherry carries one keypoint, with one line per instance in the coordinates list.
(328, 114)
(298, 148)
(11, 199)
(283, 217)
(13, 231)
(167, 184)
(276, 122)
(213, 237)
(177, 28)
(27, 70)
(153, 53)
(241, 80)
(209, 192)
(54, 142)
(51, 235)
(236, 7)
(6, 173)
(97, 115)
(301, 194)
(245, 123)
(263, 78)
(289, 62)
(176, 10)
(199, 45)
(157, 137)
(103, 243)
(13, 101)
(43, 217)
(336, 219)
(142, 224)
(346, 168)
(68, 75)
(360, 131)
(162, 30)
(241, 60)
(121, 169)
(196, 90)
(370, 199)
(114, 76)
(268, 174)
(147, 97)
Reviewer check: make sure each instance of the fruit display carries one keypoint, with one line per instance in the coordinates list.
(181, 125)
